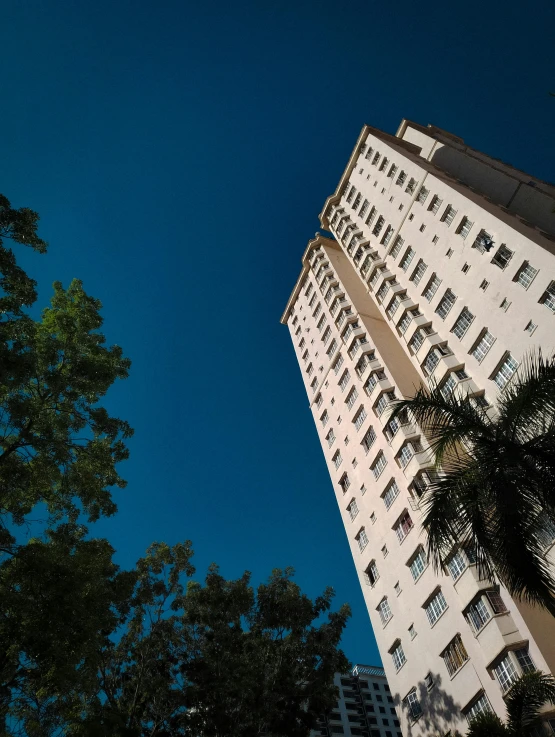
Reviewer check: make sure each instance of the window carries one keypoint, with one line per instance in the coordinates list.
(465, 226)
(351, 398)
(463, 322)
(431, 288)
(332, 348)
(314, 384)
(363, 489)
(401, 179)
(357, 201)
(466, 268)
(483, 346)
(317, 311)
(429, 681)
(379, 464)
(455, 655)
(525, 275)
(418, 564)
(364, 208)
(412, 632)
(352, 509)
(308, 289)
(372, 380)
(344, 381)
(371, 216)
(448, 385)
(319, 401)
(373, 518)
(416, 341)
(480, 705)
(338, 363)
(405, 322)
(435, 204)
(407, 452)
(362, 539)
(383, 290)
(505, 372)
(435, 239)
(484, 284)
(418, 273)
(445, 304)
(384, 610)
(387, 235)
(502, 256)
(310, 369)
(321, 322)
(375, 159)
(324, 418)
(449, 253)
(326, 336)
(337, 460)
(403, 526)
(422, 194)
(312, 300)
(351, 194)
(371, 573)
(385, 551)
(385, 162)
(398, 656)
(382, 403)
(359, 418)
(407, 258)
(413, 704)
(305, 356)
(392, 171)
(411, 186)
(379, 225)
(390, 494)
(435, 607)
(448, 215)
(524, 660)
(330, 437)
(505, 304)
(530, 327)
(478, 614)
(432, 360)
(394, 304)
(397, 588)
(397, 245)
(456, 564)
(344, 483)
(368, 439)
(506, 673)
(548, 297)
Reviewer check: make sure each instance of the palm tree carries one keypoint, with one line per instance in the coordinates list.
(525, 699)
(495, 487)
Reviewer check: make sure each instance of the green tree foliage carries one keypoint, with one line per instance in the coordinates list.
(495, 490)
(88, 650)
(526, 698)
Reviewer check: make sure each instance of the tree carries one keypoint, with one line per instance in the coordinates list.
(212, 660)
(495, 490)
(524, 702)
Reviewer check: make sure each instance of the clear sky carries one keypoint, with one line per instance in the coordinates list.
(179, 154)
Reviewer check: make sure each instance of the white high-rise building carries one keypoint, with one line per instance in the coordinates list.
(441, 267)
(365, 706)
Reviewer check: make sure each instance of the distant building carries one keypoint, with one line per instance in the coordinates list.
(365, 706)
(440, 267)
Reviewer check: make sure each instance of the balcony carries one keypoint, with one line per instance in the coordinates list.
(421, 461)
(498, 632)
(404, 433)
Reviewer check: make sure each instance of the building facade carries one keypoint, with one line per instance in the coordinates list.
(440, 267)
(365, 706)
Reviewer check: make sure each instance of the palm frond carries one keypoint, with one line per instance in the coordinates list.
(525, 700)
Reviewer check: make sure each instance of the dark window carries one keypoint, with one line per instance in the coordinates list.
(379, 698)
(372, 720)
(370, 707)
(387, 688)
(388, 734)
(390, 699)
(382, 709)
(375, 733)
(393, 712)
(346, 682)
(376, 686)
(396, 722)
(364, 684)
(385, 722)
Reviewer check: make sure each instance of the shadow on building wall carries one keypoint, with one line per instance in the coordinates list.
(440, 712)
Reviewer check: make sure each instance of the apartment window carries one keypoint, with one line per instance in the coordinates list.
(478, 614)
(466, 268)
(371, 216)
(422, 194)
(373, 518)
(419, 272)
(362, 539)
(397, 245)
(363, 489)
(305, 356)
(332, 348)
(368, 439)
(371, 573)
(524, 660)
(530, 327)
(418, 563)
(319, 401)
(435, 607)
(431, 288)
(465, 226)
(526, 274)
(449, 385)
(302, 344)
(463, 322)
(407, 452)
(385, 551)
(502, 257)
(351, 398)
(326, 336)
(412, 632)
(317, 311)
(398, 656)
(363, 362)
(375, 159)
(308, 290)
(352, 509)
(314, 384)
(364, 208)
(390, 494)
(337, 460)
(413, 704)
(435, 239)
(505, 304)
(455, 655)
(310, 369)
(394, 304)
(480, 705)
(385, 162)
(384, 610)
(392, 171)
(435, 204)
(407, 258)
(411, 186)
(330, 437)
(449, 253)
(404, 323)
(344, 483)
(397, 588)
(548, 297)
(483, 346)
(385, 399)
(505, 372)
(432, 360)
(484, 284)
(321, 322)
(351, 194)
(324, 418)
(506, 673)
(383, 290)
(298, 330)
(417, 340)
(351, 327)
(344, 381)
(369, 153)
(401, 179)
(379, 464)
(445, 304)
(456, 564)
(359, 418)
(379, 225)
(448, 215)
(357, 201)
(403, 526)
(312, 300)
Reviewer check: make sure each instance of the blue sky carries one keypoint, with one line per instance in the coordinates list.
(179, 154)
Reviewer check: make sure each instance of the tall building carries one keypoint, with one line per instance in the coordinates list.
(441, 267)
(365, 706)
